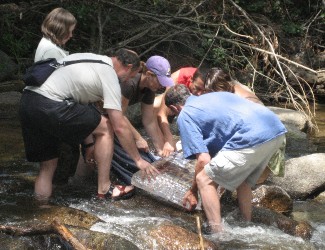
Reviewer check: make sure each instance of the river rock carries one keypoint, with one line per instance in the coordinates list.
(9, 104)
(268, 217)
(175, 237)
(33, 214)
(293, 118)
(321, 198)
(100, 241)
(67, 216)
(304, 176)
(299, 128)
(8, 67)
(272, 197)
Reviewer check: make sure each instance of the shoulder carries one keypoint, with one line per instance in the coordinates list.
(131, 86)
(187, 71)
(47, 49)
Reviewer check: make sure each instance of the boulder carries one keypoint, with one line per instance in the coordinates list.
(272, 197)
(299, 128)
(98, 240)
(8, 67)
(175, 237)
(9, 104)
(268, 217)
(304, 176)
(293, 118)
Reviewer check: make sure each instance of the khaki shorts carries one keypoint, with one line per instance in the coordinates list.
(231, 168)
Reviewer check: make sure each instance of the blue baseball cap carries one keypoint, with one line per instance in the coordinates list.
(161, 68)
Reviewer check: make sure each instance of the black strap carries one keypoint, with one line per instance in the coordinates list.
(65, 63)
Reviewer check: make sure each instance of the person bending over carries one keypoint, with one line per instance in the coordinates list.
(232, 139)
(219, 80)
(154, 76)
(60, 111)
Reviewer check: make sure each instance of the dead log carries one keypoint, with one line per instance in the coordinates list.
(56, 227)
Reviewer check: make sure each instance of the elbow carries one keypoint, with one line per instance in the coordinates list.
(118, 131)
(120, 127)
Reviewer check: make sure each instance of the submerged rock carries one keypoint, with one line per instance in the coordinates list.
(268, 217)
(100, 241)
(272, 197)
(175, 237)
(30, 214)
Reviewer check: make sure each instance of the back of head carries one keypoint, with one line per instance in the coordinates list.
(200, 73)
(56, 25)
(218, 80)
(177, 95)
(127, 57)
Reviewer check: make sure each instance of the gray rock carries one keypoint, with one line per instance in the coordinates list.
(8, 67)
(303, 177)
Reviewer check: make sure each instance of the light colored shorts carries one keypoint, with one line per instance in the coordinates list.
(231, 168)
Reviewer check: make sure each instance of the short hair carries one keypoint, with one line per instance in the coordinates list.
(56, 25)
(126, 57)
(200, 73)
(177, 95)
(218, 80)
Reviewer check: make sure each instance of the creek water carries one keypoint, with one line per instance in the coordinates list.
(132, 219)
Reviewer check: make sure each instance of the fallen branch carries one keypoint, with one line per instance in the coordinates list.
(198, 223)
(54, 228)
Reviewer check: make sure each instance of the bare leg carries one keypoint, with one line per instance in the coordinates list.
(83, 170)
(244, 194)
(103, 152)
(43, 183)
(210, 200)
(264, 176)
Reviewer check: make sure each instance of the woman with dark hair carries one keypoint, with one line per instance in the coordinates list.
(219, 80)
(57, 29)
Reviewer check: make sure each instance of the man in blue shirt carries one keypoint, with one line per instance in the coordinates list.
(232, 139)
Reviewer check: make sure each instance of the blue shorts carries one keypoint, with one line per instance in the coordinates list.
(46, 124)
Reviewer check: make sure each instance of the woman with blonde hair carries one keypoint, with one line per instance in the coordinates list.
(57, 29)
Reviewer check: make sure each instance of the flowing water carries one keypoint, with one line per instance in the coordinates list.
(134, 218)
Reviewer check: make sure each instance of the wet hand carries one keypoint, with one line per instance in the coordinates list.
(142, 144)
(190, 200)
(148, 171)
(168, 149)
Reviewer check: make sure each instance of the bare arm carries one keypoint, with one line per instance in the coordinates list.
(125, 136)
(190, 199)
(246, 93)
(150, 124)
(162, 117)
(140, 142)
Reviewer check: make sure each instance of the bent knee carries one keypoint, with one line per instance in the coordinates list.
(202, 178)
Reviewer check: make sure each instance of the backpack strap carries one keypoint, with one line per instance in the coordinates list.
(66, 63)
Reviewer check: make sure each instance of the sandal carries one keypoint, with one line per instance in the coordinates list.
(122, 195)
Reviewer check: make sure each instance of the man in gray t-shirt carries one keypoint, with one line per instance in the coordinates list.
(60, 110)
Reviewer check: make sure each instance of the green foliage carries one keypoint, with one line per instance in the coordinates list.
(257, 6)
(17, 46)
(291, 28)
